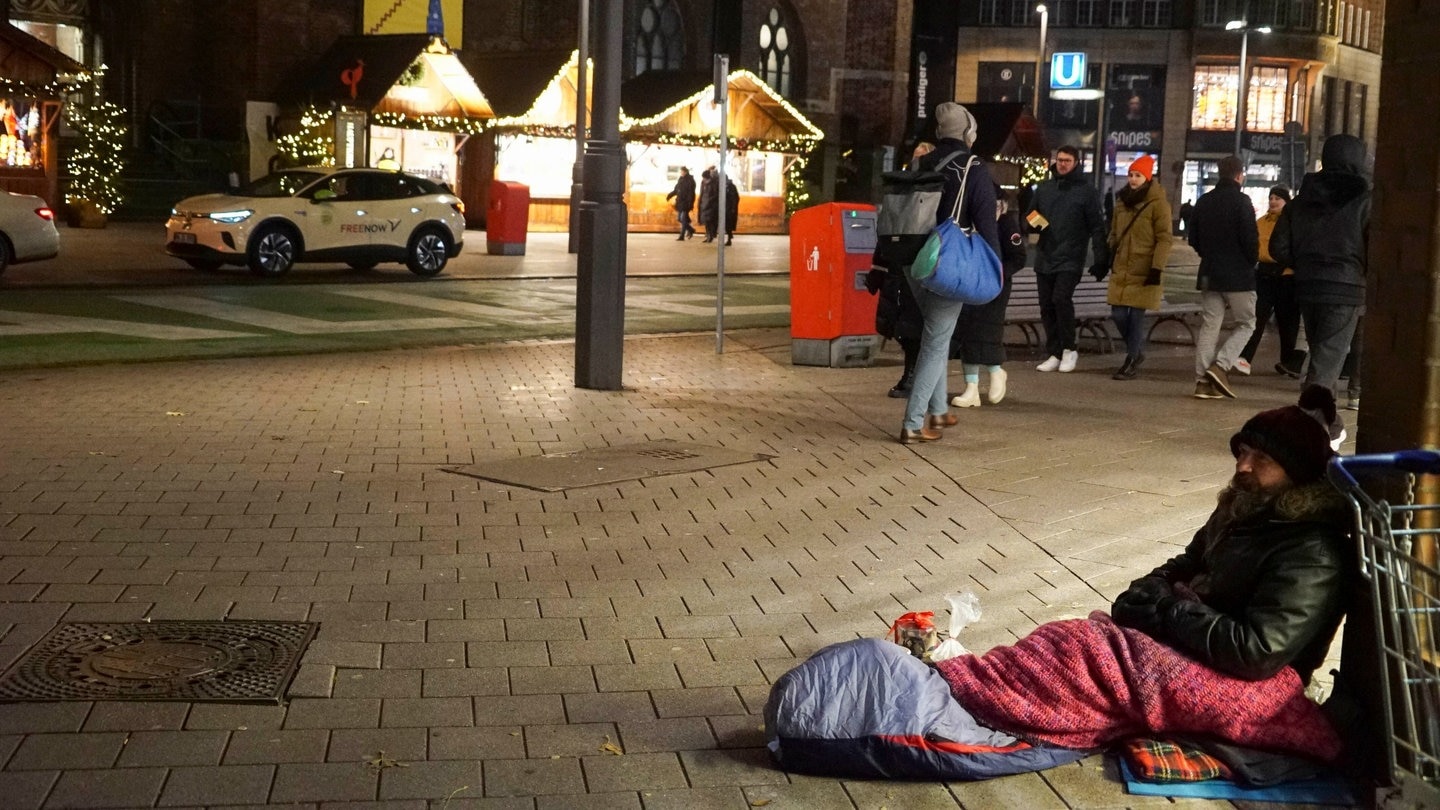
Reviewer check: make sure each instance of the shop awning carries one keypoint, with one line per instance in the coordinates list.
(657, 105)
(411, 75)
(528, 90)
(1007, 130)
(29, 61)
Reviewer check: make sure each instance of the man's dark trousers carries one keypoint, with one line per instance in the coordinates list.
(1057, 309)
(1329, 328)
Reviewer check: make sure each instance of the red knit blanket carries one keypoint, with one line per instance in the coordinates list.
(1086, 683)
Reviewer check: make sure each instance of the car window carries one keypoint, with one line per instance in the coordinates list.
(392, 187)
(279, 184)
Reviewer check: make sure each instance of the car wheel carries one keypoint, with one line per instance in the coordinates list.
(272, 250)
(208, 265)
(6, 253)
(428, 251)
(363, 267)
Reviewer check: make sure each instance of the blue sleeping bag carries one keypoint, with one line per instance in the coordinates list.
(869, 709)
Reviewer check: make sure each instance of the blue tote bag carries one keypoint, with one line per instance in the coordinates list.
(956, 262)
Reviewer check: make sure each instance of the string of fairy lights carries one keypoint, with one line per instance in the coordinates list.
(97, 159)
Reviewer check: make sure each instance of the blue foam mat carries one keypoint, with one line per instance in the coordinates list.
(1336, 790)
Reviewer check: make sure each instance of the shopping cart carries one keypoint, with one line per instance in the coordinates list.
(1398, 553)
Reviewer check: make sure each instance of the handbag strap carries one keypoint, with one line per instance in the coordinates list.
(1131, 224)
(960, 197)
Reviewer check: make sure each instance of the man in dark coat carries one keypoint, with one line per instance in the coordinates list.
(1225, 235)
(1263, 583)
(710, 204)
(684, 196)
(732, 208)
(1324, 234)
(1066, 210)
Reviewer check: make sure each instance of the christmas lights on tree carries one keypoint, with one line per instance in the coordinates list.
(96, 162)
(314, 144)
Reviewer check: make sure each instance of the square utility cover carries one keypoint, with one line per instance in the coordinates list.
(606, 465)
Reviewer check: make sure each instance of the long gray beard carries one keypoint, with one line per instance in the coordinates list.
(1238, 504)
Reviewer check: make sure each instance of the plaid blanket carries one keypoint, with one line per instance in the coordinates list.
(1086, 683)
(1166, 761)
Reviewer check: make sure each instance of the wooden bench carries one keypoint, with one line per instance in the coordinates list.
(1092, 312)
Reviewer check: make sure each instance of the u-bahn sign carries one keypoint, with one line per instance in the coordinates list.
(1067, 71)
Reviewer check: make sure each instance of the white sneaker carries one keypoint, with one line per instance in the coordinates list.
(969, 399)
(997, 385)
(1068, 359)
(1242, 366)
(1051, 363)
(1339, 440)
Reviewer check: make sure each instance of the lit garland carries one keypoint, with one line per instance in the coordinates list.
(96, 162)
(458, 124)
(1032, 170)
(797, 191)
(314, 144)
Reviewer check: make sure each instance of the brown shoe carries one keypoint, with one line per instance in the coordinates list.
(942, 421)
(924, 434)
(1220, 379)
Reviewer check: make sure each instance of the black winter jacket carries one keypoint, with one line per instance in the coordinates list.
(977, 210)
(1223, 232)
(1271, 588)
(1325, 231)
(1072, 205)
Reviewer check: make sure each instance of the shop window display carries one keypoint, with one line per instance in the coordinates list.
(20, 133)
(1215, 98)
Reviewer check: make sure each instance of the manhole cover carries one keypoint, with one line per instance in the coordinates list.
(195, 661)
(606, 465)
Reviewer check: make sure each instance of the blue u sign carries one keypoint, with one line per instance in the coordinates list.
(1067, 71)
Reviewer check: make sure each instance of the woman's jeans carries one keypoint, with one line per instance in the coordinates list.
(928, 392)
(1131, 323)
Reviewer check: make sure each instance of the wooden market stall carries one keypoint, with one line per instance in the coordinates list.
(397, 97)
(34, 79)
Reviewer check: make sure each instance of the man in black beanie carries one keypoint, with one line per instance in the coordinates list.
(1261, 586)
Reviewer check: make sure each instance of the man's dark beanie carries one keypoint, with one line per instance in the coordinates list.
(1296, 436)
(1282, 191)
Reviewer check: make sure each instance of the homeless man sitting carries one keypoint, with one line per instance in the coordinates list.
(1215, 645)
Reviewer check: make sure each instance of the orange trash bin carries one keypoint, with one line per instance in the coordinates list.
(507, 219)
(832, 315)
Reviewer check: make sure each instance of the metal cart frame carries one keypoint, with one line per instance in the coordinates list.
(1397, 544)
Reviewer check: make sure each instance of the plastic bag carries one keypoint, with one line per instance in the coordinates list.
(964, 610)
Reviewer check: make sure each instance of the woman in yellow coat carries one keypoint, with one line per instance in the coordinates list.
(1140, 246)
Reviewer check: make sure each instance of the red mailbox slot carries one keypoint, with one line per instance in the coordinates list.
(832, 315)
(507, 219)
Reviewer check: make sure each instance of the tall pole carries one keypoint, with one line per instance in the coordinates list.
(577, 174)
(722, 95)
(1040, 57)
(600, 269)
(1243, 88)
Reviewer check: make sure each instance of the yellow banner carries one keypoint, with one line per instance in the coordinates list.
(409, 17)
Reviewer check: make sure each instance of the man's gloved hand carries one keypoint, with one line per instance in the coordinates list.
(1152, 278)
(1144, 604)
(1099, 271)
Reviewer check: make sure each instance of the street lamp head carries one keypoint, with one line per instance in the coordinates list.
(1235, 25)
(1264, 29)
(1040, 9)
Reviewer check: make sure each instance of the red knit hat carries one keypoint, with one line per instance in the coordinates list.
(1144, 165)
(1296, 436)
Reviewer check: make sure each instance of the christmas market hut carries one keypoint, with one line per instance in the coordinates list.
(670, 120)
(1012, 140)
(404, 99)
(34, 80)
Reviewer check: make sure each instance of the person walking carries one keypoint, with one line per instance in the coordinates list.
(732, 209)
(710, 203)
(1274, 294)
(927, 408)
(1066, 211)
(1324, 234)
(980, 332)
(1140, 244)
(1225, 235)
(684, 196)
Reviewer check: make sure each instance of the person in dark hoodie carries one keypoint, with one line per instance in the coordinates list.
(1324, 234)
(1066, 211)
(927, 409)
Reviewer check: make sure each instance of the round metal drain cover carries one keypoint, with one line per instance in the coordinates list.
(185, 660)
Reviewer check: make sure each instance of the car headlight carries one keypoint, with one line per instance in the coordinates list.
(231, 217)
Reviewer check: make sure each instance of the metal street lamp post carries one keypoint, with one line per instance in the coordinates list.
(1242, 89)
(1040, 57)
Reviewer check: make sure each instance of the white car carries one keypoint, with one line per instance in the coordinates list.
(357, 216)
(27, 230)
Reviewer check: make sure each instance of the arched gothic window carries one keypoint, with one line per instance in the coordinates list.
(775, 52)
(660, 42)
